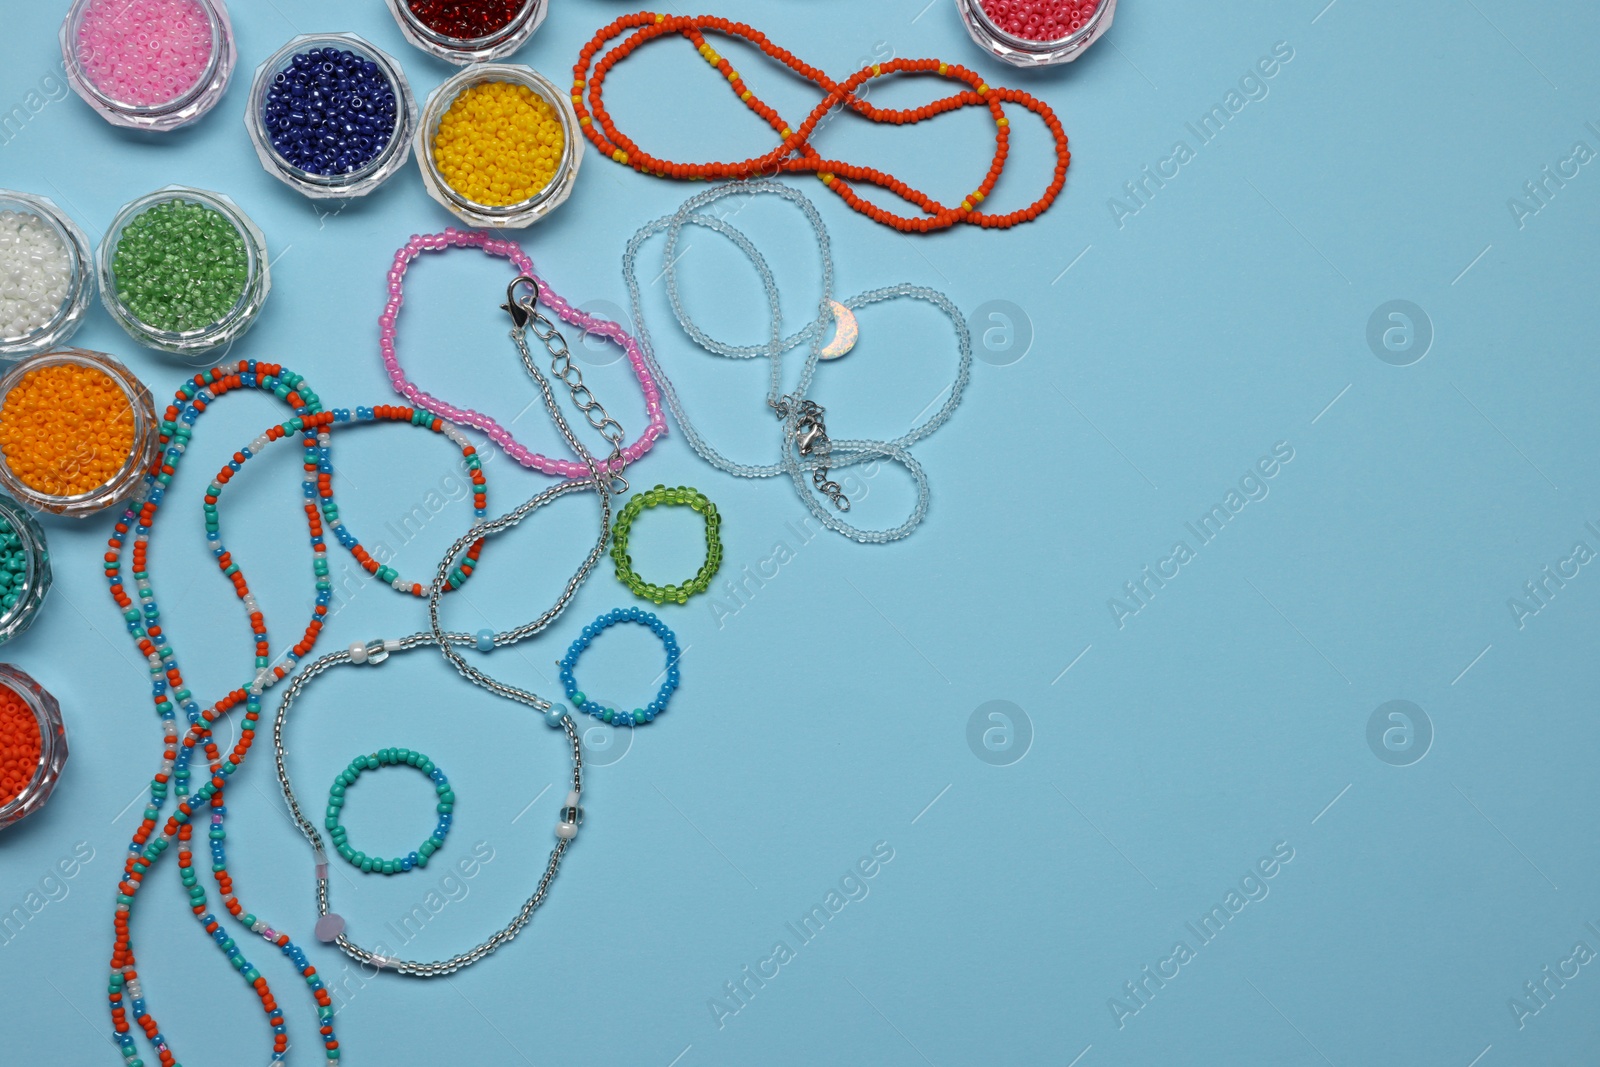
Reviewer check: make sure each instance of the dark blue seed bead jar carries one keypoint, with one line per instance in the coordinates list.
(331, 116)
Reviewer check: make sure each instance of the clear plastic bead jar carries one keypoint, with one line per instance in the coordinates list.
(31, 698)
(56, 476)
(24, 569)
(530, 209)
(494, 28)
(46, 285)
(364, 166)
(1033, 33)
(149, 64)
(127, 281)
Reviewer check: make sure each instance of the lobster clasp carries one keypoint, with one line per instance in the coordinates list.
(521, 310)
(807, 435)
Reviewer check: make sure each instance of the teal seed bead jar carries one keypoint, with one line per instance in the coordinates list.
(24, 569)
(183, 271)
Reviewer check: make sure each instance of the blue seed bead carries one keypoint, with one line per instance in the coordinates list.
(485, 640)
(330, 112)
(554, 714)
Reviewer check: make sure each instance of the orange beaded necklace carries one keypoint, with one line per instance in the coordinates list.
(795, 154)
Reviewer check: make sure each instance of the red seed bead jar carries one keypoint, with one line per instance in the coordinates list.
(33, 745)
(1033, 33)
(469, 31)
(149, 64)
(74, 461)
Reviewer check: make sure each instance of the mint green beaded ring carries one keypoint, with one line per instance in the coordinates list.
(390, 757)
(682, 496)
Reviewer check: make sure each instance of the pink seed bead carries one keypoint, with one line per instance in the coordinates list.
(1040, 20)
(144, 53)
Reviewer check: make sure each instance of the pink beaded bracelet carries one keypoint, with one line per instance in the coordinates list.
(494, 246)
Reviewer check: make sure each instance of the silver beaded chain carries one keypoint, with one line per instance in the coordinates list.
(331, 926)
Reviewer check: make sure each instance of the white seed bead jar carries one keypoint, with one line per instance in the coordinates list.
(46, 281)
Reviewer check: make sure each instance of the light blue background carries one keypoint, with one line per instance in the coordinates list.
(1167, 756)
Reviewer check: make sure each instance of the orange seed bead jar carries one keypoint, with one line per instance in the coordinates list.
(33, 745)
(77, 432)
(499, 146)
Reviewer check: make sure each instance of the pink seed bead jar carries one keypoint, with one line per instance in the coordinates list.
(149, 64)
(1033, 33)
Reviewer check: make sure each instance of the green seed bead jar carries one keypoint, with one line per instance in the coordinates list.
(183, 270)
(24, 569)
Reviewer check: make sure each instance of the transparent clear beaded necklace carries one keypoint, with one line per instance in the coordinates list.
(331, 927)
(809, 453)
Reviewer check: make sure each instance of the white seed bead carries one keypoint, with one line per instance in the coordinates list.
(566, 830)
(35, 273)
(358, 652)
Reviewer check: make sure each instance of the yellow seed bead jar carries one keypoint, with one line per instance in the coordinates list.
(77, 432)
(499, 146)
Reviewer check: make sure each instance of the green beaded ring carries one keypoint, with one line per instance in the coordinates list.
(390, 757)
(682, 496)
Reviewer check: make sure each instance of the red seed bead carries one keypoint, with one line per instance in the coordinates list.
(466, 20)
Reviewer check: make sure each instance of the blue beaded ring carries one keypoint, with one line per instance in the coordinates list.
(638, 716)
(390, 757)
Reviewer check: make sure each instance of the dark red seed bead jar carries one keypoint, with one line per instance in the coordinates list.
(1032, 33)
(469, 31)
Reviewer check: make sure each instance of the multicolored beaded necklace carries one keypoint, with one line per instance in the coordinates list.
(796, 154)
(314, 426)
